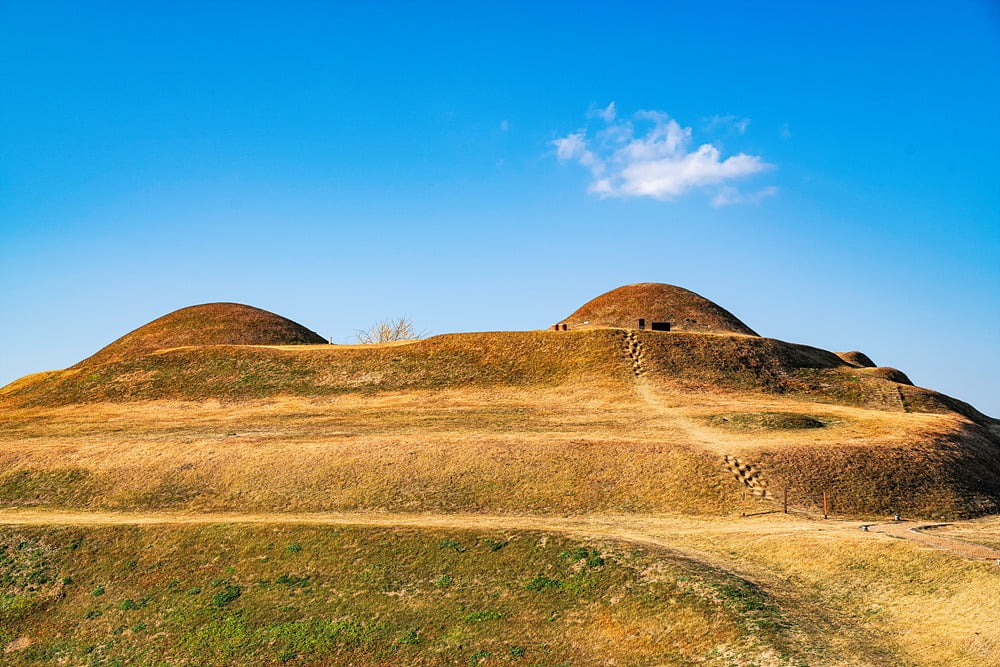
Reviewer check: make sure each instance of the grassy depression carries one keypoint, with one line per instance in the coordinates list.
(755, 421)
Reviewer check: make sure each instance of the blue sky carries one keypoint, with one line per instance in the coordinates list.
(827, 171)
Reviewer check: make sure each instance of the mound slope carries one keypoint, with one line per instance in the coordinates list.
(206, 324)
(622, 308)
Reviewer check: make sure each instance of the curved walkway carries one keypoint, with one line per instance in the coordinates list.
(913, 530)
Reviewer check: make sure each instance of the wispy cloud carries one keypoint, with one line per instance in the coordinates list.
(607, 114)
(651, 155)
(727, 196)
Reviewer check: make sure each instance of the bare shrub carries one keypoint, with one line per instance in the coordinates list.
(388, 331)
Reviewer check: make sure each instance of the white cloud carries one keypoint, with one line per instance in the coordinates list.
(657, 162)
(574, 147)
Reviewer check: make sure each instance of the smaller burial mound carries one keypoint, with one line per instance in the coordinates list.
(206, 324)
(682, 309)
(856, 359)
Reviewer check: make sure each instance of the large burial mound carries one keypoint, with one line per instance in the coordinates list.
(206, 324)
(682, 309)
(210, 407)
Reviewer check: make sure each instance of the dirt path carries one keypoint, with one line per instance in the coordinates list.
(699, 435)
(722, 444)
(663, 532)
(598, 524)
(911, 530)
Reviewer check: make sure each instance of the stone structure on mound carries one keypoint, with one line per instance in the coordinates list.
(654, 306)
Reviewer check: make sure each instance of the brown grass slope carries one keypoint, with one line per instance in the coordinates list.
(234, 372)
(683, 309)
(691, 362)
(206, 324)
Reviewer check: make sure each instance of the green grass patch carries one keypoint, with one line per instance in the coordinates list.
(756, 421)
(226, 596)
(235, 594)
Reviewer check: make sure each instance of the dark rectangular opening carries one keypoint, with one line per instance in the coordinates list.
(642, 323)
(660, 326)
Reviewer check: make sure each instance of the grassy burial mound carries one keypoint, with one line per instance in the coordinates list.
(222, 407)
(622, 308)
(207, 324)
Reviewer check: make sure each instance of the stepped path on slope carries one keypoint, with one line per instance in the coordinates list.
(645, 389)
(662, 531)
(712, 440)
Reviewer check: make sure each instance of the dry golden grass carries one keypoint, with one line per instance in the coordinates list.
(926, 607)
(516, 450)
(570, 448)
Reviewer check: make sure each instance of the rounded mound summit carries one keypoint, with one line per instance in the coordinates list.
(672, 308)
(207, 324)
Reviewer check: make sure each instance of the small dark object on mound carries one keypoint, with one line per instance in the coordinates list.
(856, 359)
(755, 421)
(887, 373)
(207, 324)
(684, 310)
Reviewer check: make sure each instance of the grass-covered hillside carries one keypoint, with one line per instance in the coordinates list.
(762, 591)
(543, 421)
(219, 487)
(224, 595)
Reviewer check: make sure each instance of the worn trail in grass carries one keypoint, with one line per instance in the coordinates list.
(909, 530)
(652, 530)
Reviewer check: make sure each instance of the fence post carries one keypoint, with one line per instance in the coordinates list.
(786, 500)
(826, 507)
(744, 502)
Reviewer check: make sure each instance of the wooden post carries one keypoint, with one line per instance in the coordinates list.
(744, 502)
(826, 507)
(786, 500)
